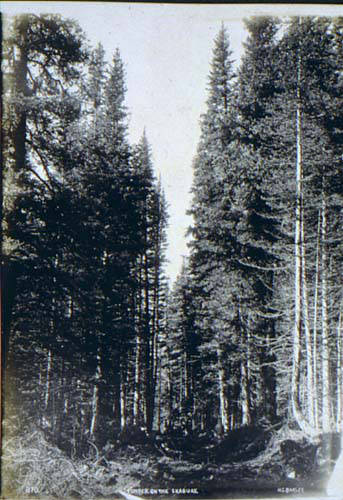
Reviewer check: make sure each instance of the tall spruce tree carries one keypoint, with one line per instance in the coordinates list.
(149, 278)
(213, 244)
(258, 87)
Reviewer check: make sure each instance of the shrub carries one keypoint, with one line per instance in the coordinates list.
(33, 466)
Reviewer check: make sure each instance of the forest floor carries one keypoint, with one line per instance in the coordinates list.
(247, 463)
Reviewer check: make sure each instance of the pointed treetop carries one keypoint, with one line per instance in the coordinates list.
(144, 143)
(99, 51)
(221, 72)
(144, 139)
(97, 75)
(143, 157)
(116, 88)
(115, 108)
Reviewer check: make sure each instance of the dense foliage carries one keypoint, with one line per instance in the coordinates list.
(84, 239)
(267, 207)
(242, 359)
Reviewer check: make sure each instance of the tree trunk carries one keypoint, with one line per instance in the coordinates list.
(298, 259)
(223, 400)
(308, 336)
(95, 398)
(315, 326)
(326, 407)
(61, 396)
(170, 398)
(295, 383)
(137, 402)
(139, 357)
(79, 420)
(159, 395)
(21, 88)
(335, 485)
(123, 405)
(117, 396)
(245, 377)
(8, 269)
(48, 380)
(246, 416)
(149, 356)
(155, 347)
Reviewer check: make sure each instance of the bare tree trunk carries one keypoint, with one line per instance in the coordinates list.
(245, 375)
(326, 407)
(315, 326)
(48, 379)
(159, 394)
(139, 358)
(171, 396)
(308, 337)
(137, 411)
(295, 384)
(148, 350)
(246, 417)
(298, 257)
(60, 397)
(123, 414)
(335, 485)
(117, 393)
(95, 398)
(79, 420)
(153, 362)
(223, 401)
(181, 388)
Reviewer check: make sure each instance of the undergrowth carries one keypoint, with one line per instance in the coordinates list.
(32, 466)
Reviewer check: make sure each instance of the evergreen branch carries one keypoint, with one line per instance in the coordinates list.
(261, 268)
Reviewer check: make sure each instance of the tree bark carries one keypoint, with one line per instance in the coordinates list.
(95, 397)
(223, 401)
(326, 407)
(123, 417)
(21, 89)
(245, 376)
(308, 337)
(149, 345)
(315, 326)
(139, 355)
(48, 380)
(137, 403)
(9, 270)
(295, 383)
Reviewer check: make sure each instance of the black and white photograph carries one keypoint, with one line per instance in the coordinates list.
(172, 251)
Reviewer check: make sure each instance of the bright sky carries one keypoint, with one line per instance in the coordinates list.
(167, 50)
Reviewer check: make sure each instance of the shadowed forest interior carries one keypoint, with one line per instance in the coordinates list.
(116, 379)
